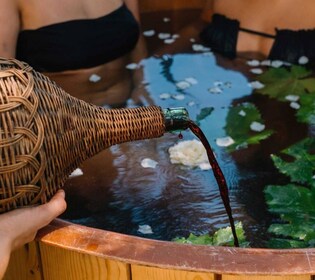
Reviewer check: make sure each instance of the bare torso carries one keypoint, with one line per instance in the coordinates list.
(115, 82)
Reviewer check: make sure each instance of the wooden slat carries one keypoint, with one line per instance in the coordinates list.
(140, 272)
(260, 277)
(162, 5)
(62, 264)
(24, 264)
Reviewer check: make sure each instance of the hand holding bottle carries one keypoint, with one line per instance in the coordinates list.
(20, 226)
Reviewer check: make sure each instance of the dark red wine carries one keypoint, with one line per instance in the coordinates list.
(218, 174)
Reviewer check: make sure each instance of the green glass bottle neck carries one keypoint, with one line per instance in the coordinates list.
(176, 118)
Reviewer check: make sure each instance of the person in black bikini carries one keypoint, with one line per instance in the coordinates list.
(82, 45)
(69, 41)
(281, 30)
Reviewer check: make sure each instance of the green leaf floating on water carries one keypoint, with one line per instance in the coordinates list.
(280, 82)
(222, 237)
(294, 203)
(239, 120)
(296, 206)
(301, 167)
(306, 113)
(204, 112)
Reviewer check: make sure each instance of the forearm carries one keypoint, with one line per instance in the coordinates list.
(5, 252)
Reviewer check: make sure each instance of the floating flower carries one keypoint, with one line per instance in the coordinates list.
(166, 19)
(189, 153)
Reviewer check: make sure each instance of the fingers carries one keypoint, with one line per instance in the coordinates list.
(47, 212)
(21, 225)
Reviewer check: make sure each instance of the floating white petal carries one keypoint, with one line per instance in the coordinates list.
(303, 60)
(256, 85)
(276, 63)
(132, 66)
(164, 36)
(148, 163)
(191, 80)
(169, 41)
(200, 48)
(165, 96)
(149, 33)
(189, 153)
(94, 78)
(145, 229)
(215, 90)
(218, 84)
(183, 85)
(178, 96)
(253, 62)
(224, 141)
(242, 113)
(256, 126)
(292, 97)
(266, 62)
(77, 172)
(257, 71)
(191, 103)
(295, 105)
(166, 19)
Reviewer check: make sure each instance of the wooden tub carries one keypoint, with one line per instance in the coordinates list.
(65, 251)
(73, 252)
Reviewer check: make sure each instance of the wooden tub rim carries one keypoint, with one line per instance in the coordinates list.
(170, 255)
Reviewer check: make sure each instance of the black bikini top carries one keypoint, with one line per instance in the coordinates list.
(79, 43)
(221, 36)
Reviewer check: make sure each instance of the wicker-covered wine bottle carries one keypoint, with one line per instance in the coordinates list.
(45, 133)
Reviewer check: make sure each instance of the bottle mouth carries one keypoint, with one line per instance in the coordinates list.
(176, 118)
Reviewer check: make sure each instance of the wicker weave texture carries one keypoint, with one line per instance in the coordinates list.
(45, 134)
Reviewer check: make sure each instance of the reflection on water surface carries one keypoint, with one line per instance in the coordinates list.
(116, 193)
